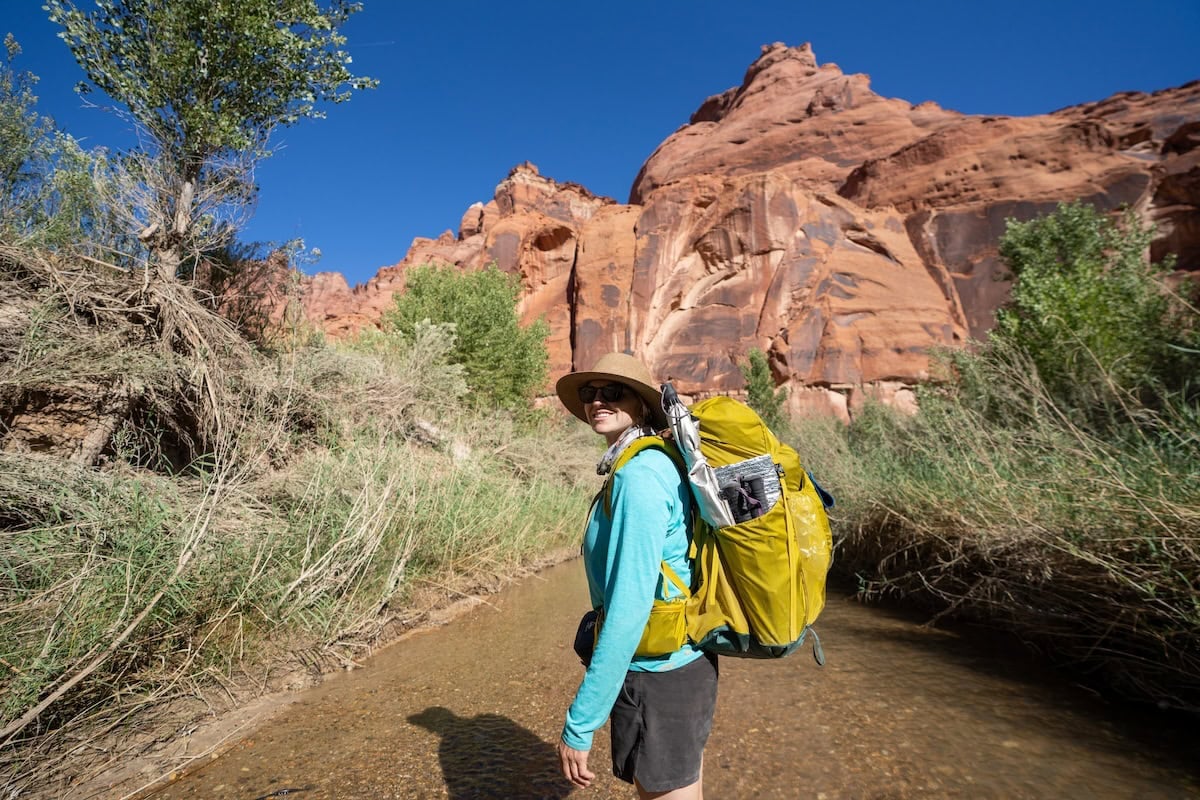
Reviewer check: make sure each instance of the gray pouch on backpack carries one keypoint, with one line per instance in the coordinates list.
(756, 478)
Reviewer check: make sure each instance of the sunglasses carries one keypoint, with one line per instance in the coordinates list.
(609, 392)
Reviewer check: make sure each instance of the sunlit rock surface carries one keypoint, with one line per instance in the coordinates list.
(843, 233)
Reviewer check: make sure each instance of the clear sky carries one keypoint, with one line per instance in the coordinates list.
(586, 91)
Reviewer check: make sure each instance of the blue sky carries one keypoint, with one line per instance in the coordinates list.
(587, 90)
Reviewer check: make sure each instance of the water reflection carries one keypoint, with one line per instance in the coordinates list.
(899, 711)
(488, 756)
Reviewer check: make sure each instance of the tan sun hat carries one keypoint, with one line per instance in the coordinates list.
(618, 367)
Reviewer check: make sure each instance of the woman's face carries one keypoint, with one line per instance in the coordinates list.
(611, 418)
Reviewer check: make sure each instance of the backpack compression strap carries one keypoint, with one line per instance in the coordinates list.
(672, 576)
(635, 447)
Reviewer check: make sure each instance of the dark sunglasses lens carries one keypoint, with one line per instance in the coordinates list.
(610, 392)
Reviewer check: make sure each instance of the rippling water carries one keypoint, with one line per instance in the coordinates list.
(473, 709)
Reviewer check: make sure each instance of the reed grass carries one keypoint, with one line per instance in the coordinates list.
(251, 514)
(123, 590)
(996, 505)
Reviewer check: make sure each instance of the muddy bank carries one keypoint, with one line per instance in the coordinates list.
(472, 710)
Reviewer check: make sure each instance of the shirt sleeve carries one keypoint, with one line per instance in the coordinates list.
(641, 513)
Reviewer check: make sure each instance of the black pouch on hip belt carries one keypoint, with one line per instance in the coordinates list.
(585, 637)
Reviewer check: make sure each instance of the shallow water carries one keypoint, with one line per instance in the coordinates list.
(473, 709)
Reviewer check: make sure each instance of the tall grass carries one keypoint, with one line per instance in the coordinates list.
(108, 580)
(340, 481)
(994, 504)
(364, 524)
(122, 590)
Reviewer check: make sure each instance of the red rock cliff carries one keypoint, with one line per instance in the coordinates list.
(842, 232)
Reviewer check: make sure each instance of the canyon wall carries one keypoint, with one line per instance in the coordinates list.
(843, 233)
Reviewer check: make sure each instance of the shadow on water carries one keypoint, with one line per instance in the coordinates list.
(490, 756)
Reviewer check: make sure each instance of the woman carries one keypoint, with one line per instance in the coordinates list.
(661, 706)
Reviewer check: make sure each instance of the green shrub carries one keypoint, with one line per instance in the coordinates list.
(992, 505)
(761, 394)
(47, 181)
(1051, 487)
(505, 364)
(1090, 310)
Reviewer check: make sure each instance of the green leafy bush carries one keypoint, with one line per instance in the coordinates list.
(1051, 488)
(505, 364)
(47, 181)
(23, 138)
(761, 394)
(1089, 308)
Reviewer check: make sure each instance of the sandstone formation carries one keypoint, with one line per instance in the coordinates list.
(812, 123)
(843, 233)
(957, 186)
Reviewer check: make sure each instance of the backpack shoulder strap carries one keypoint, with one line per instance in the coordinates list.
(635, 447)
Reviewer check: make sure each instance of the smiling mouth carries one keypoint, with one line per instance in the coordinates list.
(601, 413)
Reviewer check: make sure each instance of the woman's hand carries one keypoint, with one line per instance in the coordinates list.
(574, 765)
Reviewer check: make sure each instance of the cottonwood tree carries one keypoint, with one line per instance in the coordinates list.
(43, 172)
(206, 81)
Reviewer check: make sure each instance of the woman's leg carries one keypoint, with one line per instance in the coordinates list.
(675, 715)
(693, 791)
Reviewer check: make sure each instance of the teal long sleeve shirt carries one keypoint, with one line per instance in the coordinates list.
(623, 555)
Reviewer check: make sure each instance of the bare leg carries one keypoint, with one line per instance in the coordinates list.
(693, 791)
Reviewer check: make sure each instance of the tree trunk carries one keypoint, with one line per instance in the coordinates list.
(167, 259)
(170, 242)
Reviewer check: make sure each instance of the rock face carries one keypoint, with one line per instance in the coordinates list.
(790, 116)
(956, 187)
(843, 233)
(533, 227)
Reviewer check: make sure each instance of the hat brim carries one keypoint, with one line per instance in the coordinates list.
(568, 385)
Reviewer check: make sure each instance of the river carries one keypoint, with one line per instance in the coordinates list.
(472, 710)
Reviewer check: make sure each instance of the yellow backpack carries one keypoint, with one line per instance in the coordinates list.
(758, 584)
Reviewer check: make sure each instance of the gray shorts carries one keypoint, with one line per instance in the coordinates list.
(660, 723)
